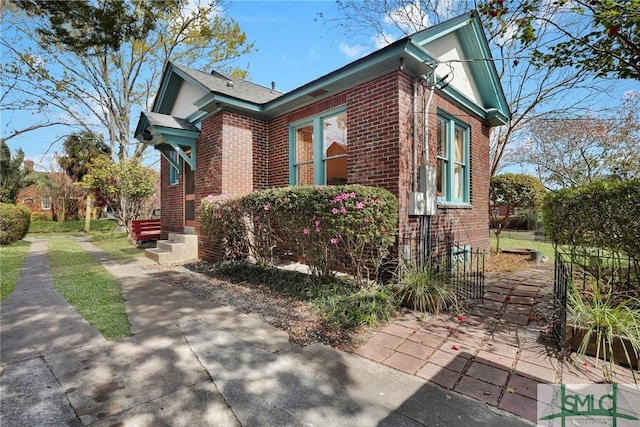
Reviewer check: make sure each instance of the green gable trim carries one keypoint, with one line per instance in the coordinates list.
(164, 139)
(210, 103)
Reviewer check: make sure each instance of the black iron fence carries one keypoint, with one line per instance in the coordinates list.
(462, 265)
(586, 269)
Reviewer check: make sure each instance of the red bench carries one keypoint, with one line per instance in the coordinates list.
(144, 230)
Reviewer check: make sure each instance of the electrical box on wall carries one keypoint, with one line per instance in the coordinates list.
(417, 204)
(428, 188)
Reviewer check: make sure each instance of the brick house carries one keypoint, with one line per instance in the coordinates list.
(413, 117)
(36, 198)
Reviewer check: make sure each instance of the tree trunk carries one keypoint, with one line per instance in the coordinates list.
(87, 213)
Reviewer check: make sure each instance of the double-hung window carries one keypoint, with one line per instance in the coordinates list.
(45, 202)
(452, 182)
(318, 148)
(173, 171)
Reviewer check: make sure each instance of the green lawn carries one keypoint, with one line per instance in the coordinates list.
(11, 259)
(508, 242)
(88, 287)
(53, 227)
(117, 245)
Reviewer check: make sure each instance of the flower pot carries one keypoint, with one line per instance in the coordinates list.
(575, 334)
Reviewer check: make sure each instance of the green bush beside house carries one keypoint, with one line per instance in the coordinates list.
(14, 223)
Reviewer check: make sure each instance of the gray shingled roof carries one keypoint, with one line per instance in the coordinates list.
(240, 89)
(164, 120)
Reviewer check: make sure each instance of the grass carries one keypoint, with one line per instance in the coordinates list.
(508, 242)
(53, 227)
(117, 245)
(89, 288)
(12, 257)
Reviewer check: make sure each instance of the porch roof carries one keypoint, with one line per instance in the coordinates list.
(169, 134)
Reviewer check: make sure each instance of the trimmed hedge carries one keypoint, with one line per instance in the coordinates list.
(319, 224)
(14, 223)
(600, 214)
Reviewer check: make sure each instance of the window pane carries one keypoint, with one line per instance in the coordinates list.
(441, 178)
(458, 182)
(334, 132)
(459, 145)
(442, 137)
(46, 202)
(304, 144)
(336, 171)
(304, 174)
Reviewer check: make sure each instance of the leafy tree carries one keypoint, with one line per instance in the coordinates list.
(511, 191)
(601, 36)
(95, 80)
(531, 92)
(124, 186)
(65, 195)
(13, 177)
(80, 25)
(571, 151)
(79, 149)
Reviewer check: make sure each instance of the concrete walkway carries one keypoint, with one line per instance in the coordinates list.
(498, 353)
(191, 362)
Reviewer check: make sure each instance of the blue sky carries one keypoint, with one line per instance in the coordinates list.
(295, 45)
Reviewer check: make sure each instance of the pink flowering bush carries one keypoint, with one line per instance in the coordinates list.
(329, 228)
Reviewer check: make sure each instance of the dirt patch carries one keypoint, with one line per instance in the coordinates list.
(507, 263)
(297, 318)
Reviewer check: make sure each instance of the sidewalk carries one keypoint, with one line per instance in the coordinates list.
(497, 354)
(191, 362)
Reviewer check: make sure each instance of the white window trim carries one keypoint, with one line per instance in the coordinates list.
(42, 204)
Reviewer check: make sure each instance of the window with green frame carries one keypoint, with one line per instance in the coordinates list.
(452, 179)
(173, 171)
(318, 150)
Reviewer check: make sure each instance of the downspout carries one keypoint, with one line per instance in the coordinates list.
(415, 134)
(425, 226)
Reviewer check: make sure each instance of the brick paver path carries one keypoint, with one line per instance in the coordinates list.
(498, 352)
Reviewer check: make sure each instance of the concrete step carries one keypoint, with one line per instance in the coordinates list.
(179, 247)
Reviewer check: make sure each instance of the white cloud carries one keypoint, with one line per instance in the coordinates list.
(409, 18)
(384, 39)
(352, 51)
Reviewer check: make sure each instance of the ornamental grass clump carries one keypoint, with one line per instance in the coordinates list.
(606, 319)
(424, 289)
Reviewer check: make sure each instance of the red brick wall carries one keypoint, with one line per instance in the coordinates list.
(238, 154)
(231, 159)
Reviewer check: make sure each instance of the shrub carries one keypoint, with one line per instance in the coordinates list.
(41, 216)
(319, 224)
(600, 214)
(14, 221)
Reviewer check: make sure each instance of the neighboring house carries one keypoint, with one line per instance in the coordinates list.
(363, 123)
(35, 197)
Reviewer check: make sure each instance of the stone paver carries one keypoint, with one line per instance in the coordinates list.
(480, 390)
(519, 405)
(492, 354)
(488, 373)
(439, 375)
